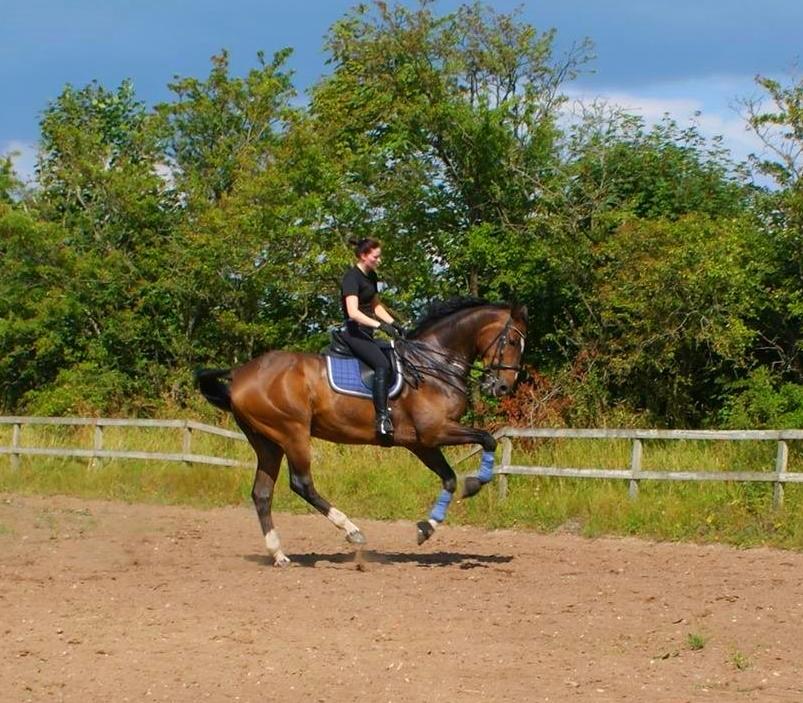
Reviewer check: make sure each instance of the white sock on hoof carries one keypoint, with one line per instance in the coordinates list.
(340, 520)
(275, 549)
(272, 543)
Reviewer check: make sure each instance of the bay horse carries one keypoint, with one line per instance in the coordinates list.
(281, 399)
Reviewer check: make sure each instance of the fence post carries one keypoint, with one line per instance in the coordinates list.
(635, 468)
(97, 444)
(187, 444)
(15, 442)
(781, 459)
(507, 451)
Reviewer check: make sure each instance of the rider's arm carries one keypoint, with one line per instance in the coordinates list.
(380, 312)
(353, 311)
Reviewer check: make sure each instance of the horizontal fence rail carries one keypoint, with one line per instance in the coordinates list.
(634, 472)
(17, 449)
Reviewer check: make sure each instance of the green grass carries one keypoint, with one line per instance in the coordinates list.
(739, 660)
(392, 484)
(695, 641)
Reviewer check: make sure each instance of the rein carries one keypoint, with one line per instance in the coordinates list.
(450, 370)
(419, 359)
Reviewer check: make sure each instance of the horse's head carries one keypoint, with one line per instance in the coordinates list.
(456, 333)
(500, 348)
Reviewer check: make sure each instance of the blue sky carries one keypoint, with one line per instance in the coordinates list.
(652, 56)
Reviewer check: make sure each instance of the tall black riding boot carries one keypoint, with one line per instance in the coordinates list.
(384, 426)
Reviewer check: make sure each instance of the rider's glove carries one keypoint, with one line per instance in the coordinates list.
(389, 330)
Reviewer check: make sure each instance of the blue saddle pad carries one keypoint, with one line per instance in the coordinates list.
(345, 377)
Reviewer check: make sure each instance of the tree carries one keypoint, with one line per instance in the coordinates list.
(613, 171)
(672, 312)
(249, 252)
(442, 127)
(98, 169)
(40, 321)
(615, 167)
(780, 211)
(110, 214)
(9, 183)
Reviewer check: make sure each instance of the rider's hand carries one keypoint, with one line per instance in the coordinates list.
(389, 330)
(399, 329)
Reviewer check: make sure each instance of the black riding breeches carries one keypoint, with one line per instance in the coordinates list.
(366, 349)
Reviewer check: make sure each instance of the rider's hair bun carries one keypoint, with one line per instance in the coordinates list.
(364, 245)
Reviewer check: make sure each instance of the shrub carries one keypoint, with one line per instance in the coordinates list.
(762, 401)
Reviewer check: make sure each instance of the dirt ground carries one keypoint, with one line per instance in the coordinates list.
(115, 602)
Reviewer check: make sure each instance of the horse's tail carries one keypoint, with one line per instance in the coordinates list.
(213, 389)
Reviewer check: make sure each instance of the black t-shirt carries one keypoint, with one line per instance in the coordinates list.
(364, 286)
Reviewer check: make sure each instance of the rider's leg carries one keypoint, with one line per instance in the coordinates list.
(384, 426)
(366, 349)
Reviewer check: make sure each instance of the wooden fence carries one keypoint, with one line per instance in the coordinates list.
(634, 473)
(17, 449)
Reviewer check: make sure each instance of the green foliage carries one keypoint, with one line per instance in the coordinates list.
(98, 170)
(695, 641)
(91, 260)
(780, 127)
(213, 227)
(617, 168)
(9, 183)
(40, 324)
(669, 311)
(80, 390)
(250, 258)
(442, 128)
(761, 401)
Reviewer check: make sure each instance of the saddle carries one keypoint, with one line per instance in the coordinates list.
(348, 374)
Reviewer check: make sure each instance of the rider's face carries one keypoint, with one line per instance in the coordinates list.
(372, 259)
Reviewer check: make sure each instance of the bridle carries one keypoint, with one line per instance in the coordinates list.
(501, 341)
(430, 361)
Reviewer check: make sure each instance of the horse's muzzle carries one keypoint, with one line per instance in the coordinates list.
(497, 387)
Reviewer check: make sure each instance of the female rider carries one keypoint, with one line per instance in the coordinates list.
(364, 314)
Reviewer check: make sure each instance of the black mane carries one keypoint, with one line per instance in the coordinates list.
(444, 308)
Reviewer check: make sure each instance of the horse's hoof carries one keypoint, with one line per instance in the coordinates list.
(281, 561)
(355, 537)
(471, 486)
(425, 531)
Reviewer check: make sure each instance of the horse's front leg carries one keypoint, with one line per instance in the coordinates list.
(434, 460)
(455, 434)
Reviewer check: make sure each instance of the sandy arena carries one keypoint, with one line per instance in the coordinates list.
(114, 602)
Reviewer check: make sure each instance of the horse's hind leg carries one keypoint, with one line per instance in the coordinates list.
(269, 460)
(435, 461)
(298, 458)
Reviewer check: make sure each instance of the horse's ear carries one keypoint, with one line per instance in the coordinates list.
(519, 312)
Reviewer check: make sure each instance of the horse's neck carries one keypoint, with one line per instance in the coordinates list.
(458, 337)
